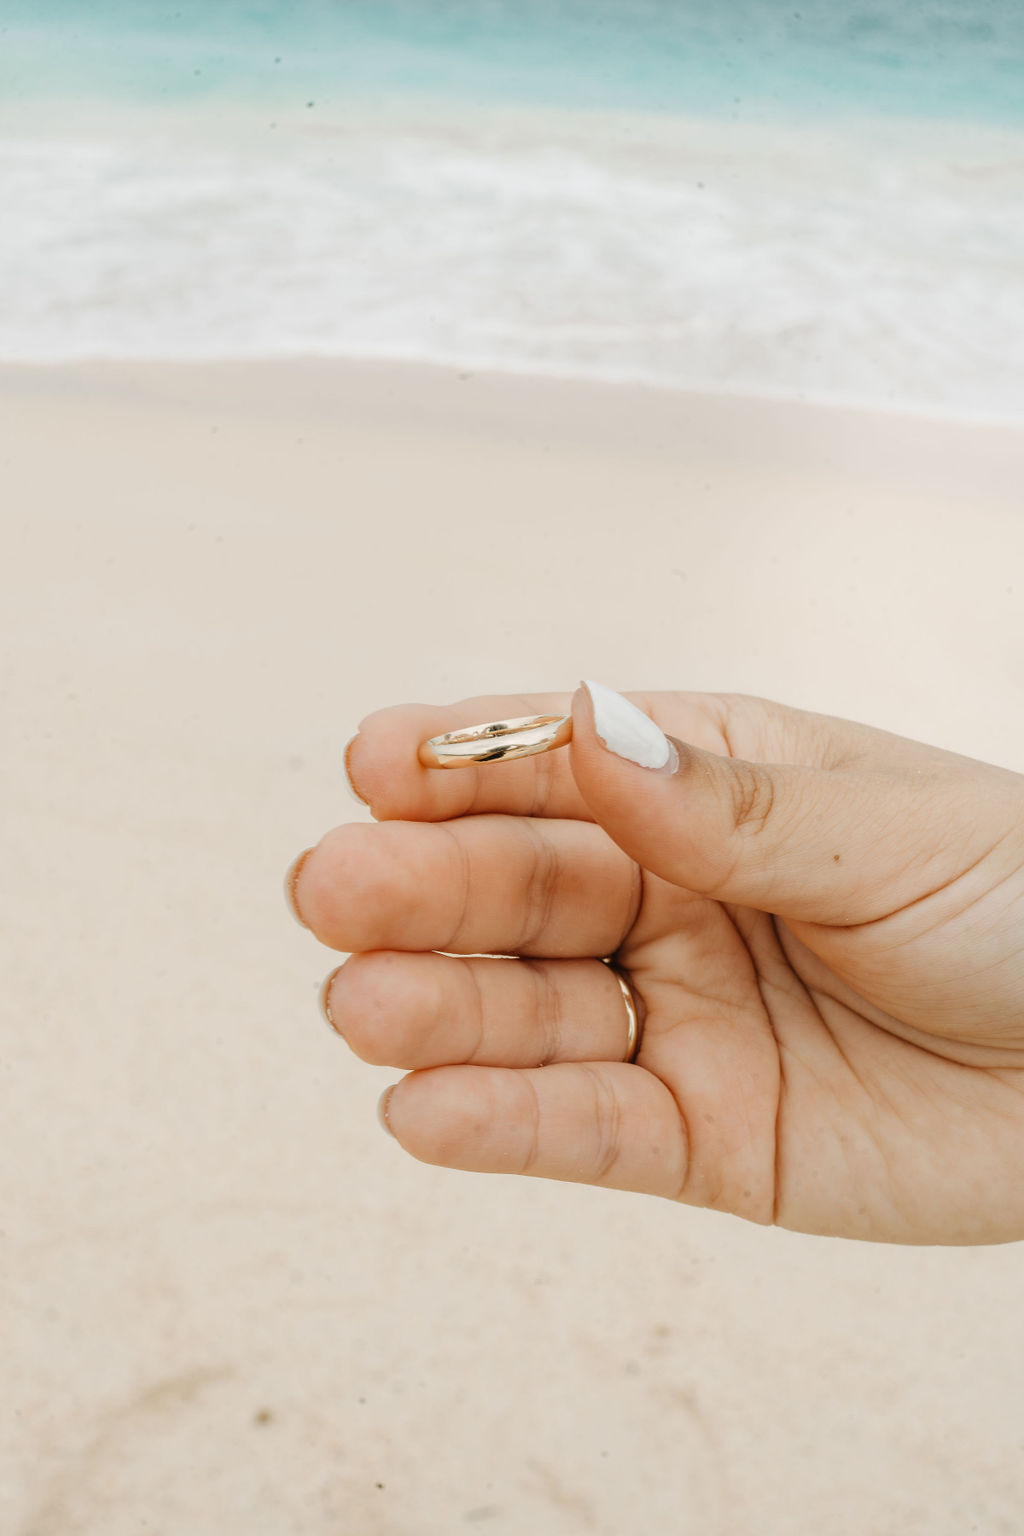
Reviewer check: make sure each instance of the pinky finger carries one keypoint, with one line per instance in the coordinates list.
(603, 1123)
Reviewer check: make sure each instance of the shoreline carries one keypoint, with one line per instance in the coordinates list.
(113, 370)
(933, 454)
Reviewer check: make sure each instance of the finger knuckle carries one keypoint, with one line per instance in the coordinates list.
(607, 1128)
(541, 887)
(752, 789)
(547, 1004)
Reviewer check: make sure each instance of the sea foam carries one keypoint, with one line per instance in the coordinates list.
(858, 261)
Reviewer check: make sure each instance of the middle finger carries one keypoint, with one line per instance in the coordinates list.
(476, 885)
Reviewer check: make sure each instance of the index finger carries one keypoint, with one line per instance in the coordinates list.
(385, 773)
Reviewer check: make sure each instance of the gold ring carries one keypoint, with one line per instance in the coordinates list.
(496, 741)
(633, 1032)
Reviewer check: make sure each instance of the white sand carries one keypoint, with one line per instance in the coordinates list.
(230, 1306)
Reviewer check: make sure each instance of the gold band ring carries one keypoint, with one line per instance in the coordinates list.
(496, 741)
(633, 1034)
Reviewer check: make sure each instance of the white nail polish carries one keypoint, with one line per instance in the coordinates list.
(356, 796)
(628, 732)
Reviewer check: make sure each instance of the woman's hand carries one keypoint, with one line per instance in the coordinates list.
(823, 924)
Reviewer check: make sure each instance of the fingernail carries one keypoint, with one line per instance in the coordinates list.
(289, 887)
(382, 1108)
(325, 995)
(628, 732)
(356, 796)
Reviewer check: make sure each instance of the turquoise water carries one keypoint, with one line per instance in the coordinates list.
(810, 199)
(922, 58)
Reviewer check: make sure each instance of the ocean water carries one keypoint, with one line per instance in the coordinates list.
(816, 199)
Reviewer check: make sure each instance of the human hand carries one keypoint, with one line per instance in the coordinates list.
(823, 924)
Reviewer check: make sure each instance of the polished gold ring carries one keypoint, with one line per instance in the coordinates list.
(633, 1030)
(497, 741)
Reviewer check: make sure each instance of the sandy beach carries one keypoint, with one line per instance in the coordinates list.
(230, 1306)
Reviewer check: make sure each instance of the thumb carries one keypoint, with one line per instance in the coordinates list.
(829, 846)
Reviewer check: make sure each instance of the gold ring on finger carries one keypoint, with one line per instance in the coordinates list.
(632, 1012)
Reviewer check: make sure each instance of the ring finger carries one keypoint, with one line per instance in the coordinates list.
(413, 1011)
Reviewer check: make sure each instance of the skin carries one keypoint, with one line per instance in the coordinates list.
(823, 924)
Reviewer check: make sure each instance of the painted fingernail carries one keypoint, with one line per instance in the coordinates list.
(628, 732)
(347, 772)
(289, 887)
(325, 1000)
(382, 1108)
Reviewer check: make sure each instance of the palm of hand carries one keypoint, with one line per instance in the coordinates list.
(874, 1070)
